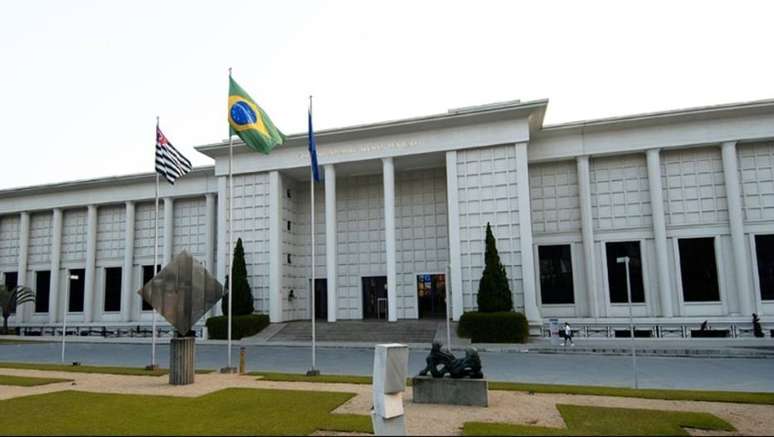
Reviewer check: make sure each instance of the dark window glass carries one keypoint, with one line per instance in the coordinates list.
(698, 270)
(77, 280)
(556, 274)
(113, 289)
(147, 275)
(11, 281)
(616, 272)
(764, 250)
(42, 289)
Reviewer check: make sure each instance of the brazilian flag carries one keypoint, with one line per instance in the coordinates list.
(247, 120)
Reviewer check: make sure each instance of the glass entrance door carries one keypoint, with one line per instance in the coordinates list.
(374, 297)
(320, 298)
(431, 295)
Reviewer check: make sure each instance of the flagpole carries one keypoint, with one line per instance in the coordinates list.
(155, 263)
(313, 370)
(230, 259)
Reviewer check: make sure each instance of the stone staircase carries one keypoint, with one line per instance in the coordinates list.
(366, 331)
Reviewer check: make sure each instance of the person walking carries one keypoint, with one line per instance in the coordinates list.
(567, 335)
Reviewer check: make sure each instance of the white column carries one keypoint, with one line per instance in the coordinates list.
(659, 231)
(56, 253)
(210, 206)
(331, 240)
(389, 237)
(736, 222)
(91, 259)
(126, 273)
(525, 235)
(169, 220)
(25, 310)
(587, 228)
(275, 244)
(455, 254)
(222, 238)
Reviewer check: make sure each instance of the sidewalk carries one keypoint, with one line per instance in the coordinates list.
(700, 348)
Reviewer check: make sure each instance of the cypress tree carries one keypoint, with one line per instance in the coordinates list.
(494, 294)
(243, 296)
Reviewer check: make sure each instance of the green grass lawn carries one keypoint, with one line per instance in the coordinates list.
(26, 381)
(234, 411)
(672, 395)
(110, 370)
(581, 420)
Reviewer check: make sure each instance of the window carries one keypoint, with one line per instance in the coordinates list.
(556, 274)
(42, 291)
(764, 251)
(616, 272)
(11, 281)
(698, 270)
(112, 289)
(147, 275)
(77, 280)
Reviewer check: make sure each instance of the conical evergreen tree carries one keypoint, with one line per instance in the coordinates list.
(243, 296)
(494, 294)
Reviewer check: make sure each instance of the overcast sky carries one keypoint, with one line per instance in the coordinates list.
(81, 82)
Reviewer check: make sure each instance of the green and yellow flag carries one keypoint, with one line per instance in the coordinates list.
(247, 120)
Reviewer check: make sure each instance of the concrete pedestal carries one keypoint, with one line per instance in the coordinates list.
(181, 360)
(450, 391)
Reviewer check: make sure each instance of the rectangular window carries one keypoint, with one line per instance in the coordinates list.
(616, 272)
(764, 251)
(112, 289)
(698, 270)
(556, 274)
(147, 275)
(11, 281)
(77, 281)
(42, 290)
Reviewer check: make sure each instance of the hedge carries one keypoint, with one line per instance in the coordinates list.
(500, 327)
(241, 326)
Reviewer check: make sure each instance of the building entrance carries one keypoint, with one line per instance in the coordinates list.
(320, 298)
(374, 297)
(431, 295)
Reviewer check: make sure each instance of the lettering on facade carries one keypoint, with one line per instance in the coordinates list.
(362, 148)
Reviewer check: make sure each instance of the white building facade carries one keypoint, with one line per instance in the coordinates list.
(400, 217)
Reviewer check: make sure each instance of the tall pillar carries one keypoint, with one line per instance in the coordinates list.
(455, 253)
(91, 259)
(210, 207)
(24, 312)
(525, 236)
(56, 253)
(169, 220)
(736, 222)
(275, 247)
(222, 236)
(331, 240)
(587, 230)
(659, 230)
(126, 272)
(389, 238)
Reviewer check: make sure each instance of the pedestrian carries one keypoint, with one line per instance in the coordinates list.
(567, 335)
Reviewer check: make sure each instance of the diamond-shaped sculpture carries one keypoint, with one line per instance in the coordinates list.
(183, 291)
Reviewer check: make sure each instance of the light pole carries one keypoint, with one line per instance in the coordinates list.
(65, 307)
(625, 261)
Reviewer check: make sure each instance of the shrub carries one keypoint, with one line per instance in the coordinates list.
(241, 326)
(500, 327)
(243, 296)
(494, 294)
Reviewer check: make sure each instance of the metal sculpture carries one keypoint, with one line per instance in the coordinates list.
(440, 362)
(182, 292)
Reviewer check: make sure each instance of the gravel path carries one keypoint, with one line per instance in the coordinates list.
(421, 419)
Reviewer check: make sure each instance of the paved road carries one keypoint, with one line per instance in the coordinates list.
(655, 372)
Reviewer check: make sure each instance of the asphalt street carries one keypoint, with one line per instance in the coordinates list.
(653, 372)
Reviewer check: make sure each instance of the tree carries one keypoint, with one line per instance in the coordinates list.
(11, 299)
(243, 296)
(494, 294)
